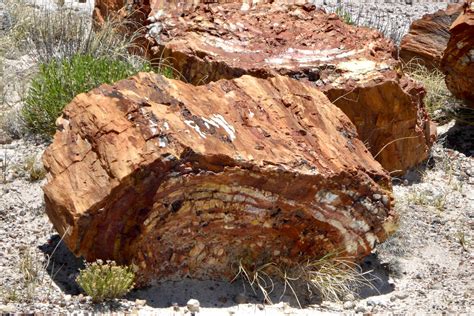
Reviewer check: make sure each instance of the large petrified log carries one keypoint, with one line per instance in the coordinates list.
(458, 58)
(186, 180)
(428, 37)
(353, 66)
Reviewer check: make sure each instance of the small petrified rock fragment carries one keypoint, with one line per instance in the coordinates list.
(458, 58)
(186, 180)
(428, 37)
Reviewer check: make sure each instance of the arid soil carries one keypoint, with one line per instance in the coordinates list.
(426, 267)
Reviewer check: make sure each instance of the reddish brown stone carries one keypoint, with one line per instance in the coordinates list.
(223, 41)
(186, 180)
(428, 37)
(458, 59)
(105, 8)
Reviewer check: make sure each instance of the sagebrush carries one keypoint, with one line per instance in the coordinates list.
(59, 81)
(106, 281)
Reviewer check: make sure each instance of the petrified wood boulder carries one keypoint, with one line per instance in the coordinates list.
(353, 66)
(186, 180)
(428, 37)
(458, 58)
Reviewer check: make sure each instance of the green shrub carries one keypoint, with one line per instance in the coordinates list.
(344, 15)
(58, 82)
(105, 281)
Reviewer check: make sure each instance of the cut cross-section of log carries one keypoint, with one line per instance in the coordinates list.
(186, 180)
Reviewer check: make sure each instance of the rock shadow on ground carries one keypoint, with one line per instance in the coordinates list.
(64, 267)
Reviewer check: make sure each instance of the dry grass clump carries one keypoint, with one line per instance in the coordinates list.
(439, 99)
(105, 281)
(34, 168)
(63, 33)
(330, 277)
(440, 103)
(334, 278)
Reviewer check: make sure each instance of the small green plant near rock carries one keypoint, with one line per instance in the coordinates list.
(59, 81)
(344, 15)
(105, 281)
(34, 168)
(9, 295)
(461, 237)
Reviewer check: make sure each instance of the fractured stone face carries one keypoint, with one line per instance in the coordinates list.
(186, 180)
(458, 58)
(428, 37)
(223, 41)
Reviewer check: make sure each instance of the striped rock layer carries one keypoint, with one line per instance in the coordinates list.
(428, 37)
(186, 180)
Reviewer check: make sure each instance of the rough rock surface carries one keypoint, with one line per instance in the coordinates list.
(428, 37)
(225, 41)
(104, 8)
(458, 58)
(187, 180)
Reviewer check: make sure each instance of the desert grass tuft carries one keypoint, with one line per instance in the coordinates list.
(34, 168)
(438, 100)
(63, 33)
(330, 277)
(335, 277)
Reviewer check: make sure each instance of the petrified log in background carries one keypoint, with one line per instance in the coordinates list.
(428, 37)
(187, 180)
(353, 66)
(458, 58)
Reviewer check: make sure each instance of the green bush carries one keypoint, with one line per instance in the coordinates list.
(59, 81)
(105, 281)
(344, 15)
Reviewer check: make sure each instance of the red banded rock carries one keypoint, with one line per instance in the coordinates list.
(186, 180)
(428, 37)
(222, 41)
(458, 58)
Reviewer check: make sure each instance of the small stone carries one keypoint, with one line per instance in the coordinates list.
(193, 305)
(360, 308)
(348, 305)
(260, 307)
(175, 307)
(401, 295)
(140, 302)
(7, 309)
(222, 299)
(240, 298)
